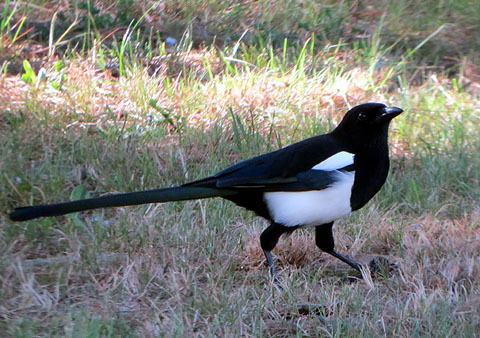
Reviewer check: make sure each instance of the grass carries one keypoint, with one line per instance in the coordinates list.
(195, 268)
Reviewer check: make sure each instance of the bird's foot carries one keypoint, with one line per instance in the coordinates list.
(381, 267)
(378, 267)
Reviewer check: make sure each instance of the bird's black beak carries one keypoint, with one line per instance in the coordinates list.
(388, 114)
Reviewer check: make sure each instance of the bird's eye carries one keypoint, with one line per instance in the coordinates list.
(361, 116)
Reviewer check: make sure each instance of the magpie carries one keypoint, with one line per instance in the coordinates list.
(311, 183)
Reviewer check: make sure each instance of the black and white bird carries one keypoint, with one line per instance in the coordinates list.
(311, 183)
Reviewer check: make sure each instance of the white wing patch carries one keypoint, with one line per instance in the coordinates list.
(335, 162)
(309, 208)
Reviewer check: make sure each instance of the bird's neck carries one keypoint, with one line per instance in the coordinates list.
(371, 171)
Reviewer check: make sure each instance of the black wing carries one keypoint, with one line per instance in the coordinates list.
(287, 169)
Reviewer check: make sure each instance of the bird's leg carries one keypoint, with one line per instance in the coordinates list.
(268, 241)
(271, 264)
(345, 259)
(324, 240)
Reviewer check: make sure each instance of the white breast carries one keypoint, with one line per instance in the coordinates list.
(309, 208)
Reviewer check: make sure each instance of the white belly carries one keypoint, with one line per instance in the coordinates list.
(309, 208)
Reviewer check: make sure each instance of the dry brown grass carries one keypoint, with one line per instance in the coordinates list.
(195, 268)
(152, 287)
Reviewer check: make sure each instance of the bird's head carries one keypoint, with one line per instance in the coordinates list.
(366, 123)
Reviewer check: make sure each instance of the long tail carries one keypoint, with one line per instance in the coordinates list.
(180, 193)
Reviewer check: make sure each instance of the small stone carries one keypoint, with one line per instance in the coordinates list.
(170, 41)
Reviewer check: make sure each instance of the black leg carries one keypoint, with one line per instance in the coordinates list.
(268, 256)
(268, 240)
(345, 259)
(324, 240)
